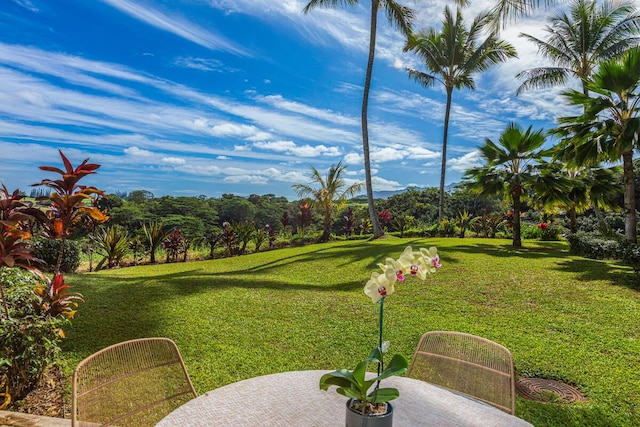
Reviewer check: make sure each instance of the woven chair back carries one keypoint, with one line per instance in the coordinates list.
(133, 383)
(468, 364)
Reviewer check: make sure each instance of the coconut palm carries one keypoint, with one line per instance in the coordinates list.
(609, 127)
(453, 55)
(400, 17)
(330, 196)
(511, 169)
(578, 41)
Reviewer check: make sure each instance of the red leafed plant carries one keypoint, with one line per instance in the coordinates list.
(70, 202)
(54, 300)
(15, 249)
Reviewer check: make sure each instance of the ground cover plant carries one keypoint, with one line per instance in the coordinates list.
(562, 316)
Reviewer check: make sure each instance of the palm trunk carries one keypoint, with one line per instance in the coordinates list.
(517, 241)
(443, 167)
(373, 216)
(601, 222)
(573, 221)
(326, 233)
(630, 220)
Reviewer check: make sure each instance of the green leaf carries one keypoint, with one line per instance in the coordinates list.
(383, 395)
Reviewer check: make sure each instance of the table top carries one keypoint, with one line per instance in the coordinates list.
(294, 398)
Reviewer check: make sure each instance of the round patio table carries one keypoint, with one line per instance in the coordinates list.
(292, 399)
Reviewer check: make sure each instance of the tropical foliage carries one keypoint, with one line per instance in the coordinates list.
(453, 55)
(608, 129)
(331, 194)
(512, 169)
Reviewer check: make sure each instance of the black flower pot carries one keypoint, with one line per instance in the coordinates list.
(356, 419)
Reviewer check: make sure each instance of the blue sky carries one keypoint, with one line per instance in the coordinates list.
(206, 97)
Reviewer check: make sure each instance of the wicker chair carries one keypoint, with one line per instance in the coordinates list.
(133, 383)
(468, 364)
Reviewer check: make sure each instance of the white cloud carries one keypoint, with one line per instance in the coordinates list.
(27, 4)
(202, 64)
(181, 28)
(246, 179)
(386, 154)
(175, 161)
(461, 164)
(353, 159)
(289, 147)
(135, 151)
(381, 184)
(281, 103)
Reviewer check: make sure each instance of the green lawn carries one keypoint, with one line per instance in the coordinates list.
(562, 317)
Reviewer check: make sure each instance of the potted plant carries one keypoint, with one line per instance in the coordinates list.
(366, 407)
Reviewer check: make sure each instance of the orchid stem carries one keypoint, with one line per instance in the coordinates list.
(380, 367)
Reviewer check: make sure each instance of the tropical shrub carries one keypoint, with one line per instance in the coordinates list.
(549, 232)
(113, 244)
(48, 251)
(530, 231)
(631, 256)
(259, 237)
(594, 246)
(31, 336)
(175, 244)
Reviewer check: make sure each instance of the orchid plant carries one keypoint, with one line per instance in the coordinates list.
(353, 384)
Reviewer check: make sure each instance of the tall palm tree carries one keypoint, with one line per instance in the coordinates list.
(454, 55)
(578, 41)
(608, 129)
(330, 196)
(575, 44)
(510, 169)
(400, 17)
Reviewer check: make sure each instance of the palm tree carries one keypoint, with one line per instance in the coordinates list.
(401, 17)
(511, 169)
(577, 42)
(330, 196)
(609, 127)
(584, 187)
(453, 55)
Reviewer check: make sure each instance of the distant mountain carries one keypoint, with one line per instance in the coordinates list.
(386, 194)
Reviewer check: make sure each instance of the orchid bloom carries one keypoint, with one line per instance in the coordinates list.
(432, 256)
(410, 263)
(378, 287)
(393, 270)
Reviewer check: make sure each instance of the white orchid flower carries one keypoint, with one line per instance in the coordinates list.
(432, 256)
(378, 287)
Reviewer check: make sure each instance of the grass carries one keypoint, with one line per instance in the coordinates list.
(563, 317)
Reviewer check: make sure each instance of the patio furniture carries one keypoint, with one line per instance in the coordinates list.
(294, 399)
(133, 383)
(468, 364)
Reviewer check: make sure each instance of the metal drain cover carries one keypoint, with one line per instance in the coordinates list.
(545, 390)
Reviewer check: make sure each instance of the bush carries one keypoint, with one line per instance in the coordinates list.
(550, 232)
(30, 341)
(48, 250)
(530, 231)
(594, 246)
(631, 256)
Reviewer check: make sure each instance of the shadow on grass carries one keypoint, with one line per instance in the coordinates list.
(591, 269)
(131, 303)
